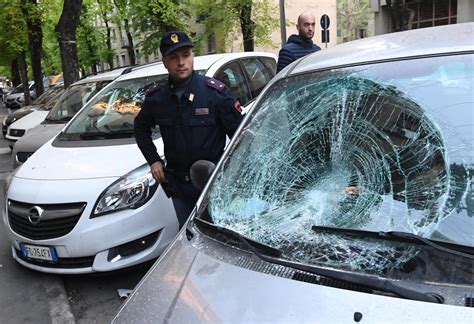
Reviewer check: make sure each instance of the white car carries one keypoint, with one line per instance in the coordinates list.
(86, 200)
(345, 196)
(64, 108)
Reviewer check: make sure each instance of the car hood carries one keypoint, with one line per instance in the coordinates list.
(73, 163)
(189, 286)
(30, 120)
(14, 95)
(36, 137)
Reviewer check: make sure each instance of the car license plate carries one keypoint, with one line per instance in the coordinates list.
(39, 252)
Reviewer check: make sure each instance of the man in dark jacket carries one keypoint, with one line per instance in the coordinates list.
(298, 45)
(195, 113)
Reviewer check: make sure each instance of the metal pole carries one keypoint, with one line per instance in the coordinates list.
(282, 22)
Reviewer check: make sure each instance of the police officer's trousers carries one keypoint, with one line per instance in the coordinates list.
(184, 204)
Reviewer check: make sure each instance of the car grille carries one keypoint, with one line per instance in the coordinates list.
(62, 263)
(17, 132)
(43, 221)
(23, 156)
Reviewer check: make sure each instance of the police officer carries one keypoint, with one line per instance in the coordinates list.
(194, 113)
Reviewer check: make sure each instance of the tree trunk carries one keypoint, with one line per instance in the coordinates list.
(35, 43)
(130, 47)
(15, 69)
(66, 29)
(24, 77)
(110, 59)
(247, 26)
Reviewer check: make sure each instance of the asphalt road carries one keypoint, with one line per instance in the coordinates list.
(28, 296)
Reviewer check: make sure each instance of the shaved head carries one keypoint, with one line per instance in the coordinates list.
(305, 16)
(306, 25)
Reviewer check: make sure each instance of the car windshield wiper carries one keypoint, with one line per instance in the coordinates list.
(373, 283)
(269, 250)
(57, 121)
(92, 135)
(107, 135)
(401, 236)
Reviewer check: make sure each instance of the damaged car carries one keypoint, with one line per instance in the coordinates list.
(345, 195)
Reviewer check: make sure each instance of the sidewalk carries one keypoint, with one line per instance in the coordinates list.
(26, 296)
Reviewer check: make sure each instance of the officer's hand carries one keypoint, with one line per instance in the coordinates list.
(158, 172)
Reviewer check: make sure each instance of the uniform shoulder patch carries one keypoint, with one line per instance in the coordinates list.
(152, 90)
(216, 84)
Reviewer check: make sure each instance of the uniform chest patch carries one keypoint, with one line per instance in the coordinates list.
(201, 111)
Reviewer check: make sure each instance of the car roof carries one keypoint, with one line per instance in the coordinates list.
(204, 62)
(102, 76)
(412, 43)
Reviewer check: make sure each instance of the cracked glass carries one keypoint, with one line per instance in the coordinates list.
(381, 147)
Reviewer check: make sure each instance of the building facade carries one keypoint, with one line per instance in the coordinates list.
(395, 15)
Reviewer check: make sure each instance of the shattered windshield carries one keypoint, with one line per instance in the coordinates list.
(114, 110)
(382, 147)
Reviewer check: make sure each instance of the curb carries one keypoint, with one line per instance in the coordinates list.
(59, 307)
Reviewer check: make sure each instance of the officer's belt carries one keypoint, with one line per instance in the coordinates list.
(181, 176)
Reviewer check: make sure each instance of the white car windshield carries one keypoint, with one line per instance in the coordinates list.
(381, 147)
(113, 110)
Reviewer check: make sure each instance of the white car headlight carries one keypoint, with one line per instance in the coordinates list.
(131, 191)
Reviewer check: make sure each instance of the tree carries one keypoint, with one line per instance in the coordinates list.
(152, 18)
(352, 16)
(66, 29)
(13, 48)
(107, 54)
(35, 41)
(88, 38)
(123, 8)
(254, 19)
(51, 57)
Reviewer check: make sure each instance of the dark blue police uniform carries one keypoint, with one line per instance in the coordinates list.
(194, 120)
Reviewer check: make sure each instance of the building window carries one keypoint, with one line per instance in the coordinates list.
(428, 13)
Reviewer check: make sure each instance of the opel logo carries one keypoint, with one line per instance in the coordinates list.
(34, 214)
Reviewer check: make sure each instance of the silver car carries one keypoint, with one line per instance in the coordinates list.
(346, 195)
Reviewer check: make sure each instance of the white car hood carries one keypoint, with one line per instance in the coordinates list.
(30, 120)
(60, 163)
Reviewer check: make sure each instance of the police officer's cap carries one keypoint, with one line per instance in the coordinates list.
(173, 40)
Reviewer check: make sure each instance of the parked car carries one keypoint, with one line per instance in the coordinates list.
(102, 210)
(37, 104)
(15, 98)
(345, 196)
(3, 93)
(62, 111)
